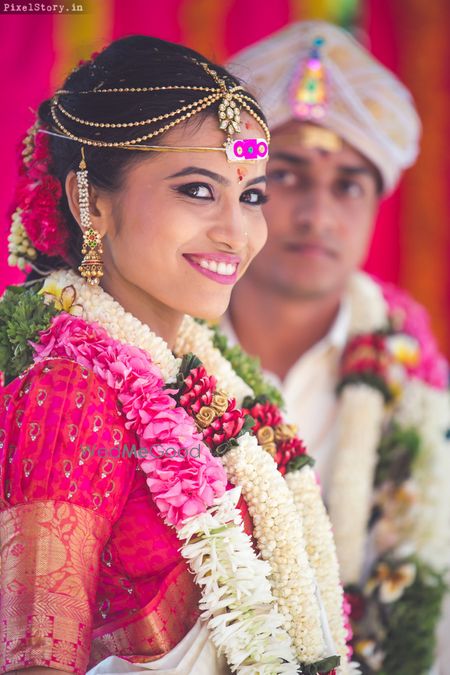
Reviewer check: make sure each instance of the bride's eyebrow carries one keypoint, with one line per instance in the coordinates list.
(190, 170)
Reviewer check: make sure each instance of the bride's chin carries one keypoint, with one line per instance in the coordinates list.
(208, 311)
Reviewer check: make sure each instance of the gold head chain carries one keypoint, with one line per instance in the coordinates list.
(232, 100)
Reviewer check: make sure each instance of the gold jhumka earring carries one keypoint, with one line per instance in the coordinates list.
(91, 267)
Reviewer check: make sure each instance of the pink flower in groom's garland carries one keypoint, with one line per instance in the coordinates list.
(411, 318)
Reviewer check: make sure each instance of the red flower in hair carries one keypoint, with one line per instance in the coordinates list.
(37, 196)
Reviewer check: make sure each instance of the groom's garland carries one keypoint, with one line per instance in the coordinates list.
(266, 615)
(391, 467)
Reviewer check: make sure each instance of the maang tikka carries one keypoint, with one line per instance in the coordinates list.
(91, 267)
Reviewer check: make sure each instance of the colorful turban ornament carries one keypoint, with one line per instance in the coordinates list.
(316, 72)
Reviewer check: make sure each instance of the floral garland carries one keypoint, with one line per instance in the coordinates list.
(278, 632)
(194, 484)
(280, 441)
(63, 287)
(390, 468)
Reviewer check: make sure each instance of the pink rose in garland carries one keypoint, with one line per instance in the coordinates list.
(184, 481)
(73, 338)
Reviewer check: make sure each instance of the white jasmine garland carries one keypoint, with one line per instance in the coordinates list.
(100, 307)
(198, 338)
(279, 533)
(369, 310)
(428, 411)
(360, 418)
(355, 460)
(321, 552)
(324, 566)
(20, 248)
(415, 514)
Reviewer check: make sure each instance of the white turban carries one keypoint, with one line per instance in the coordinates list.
(367, 105)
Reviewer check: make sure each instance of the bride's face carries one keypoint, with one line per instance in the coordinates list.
(185, 225)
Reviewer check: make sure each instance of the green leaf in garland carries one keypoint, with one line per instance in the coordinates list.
(247, 367)
(188, 363)
(397, 453)
(368, 378)
(23, 315)
(404, 630)
(250, 401)
(319, 667)
(412, 623)
(223, 448)
(249, 423)
(299, 462)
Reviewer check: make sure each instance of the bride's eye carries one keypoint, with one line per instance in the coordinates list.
(196, 190)
(254, 197)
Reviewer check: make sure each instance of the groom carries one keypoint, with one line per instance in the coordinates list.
(356, 362)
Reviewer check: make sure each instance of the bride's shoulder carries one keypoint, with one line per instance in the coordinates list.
(59, 422)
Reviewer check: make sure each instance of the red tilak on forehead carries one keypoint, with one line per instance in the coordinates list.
(248, 125)
(241, 173)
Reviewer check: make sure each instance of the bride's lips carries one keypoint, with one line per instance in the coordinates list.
(220, 267)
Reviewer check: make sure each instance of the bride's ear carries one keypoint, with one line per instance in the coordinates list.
(99, 205)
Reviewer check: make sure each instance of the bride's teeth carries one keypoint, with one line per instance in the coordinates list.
(227, 269)
(222, 268)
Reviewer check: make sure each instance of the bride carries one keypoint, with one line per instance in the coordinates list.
(156, 511)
